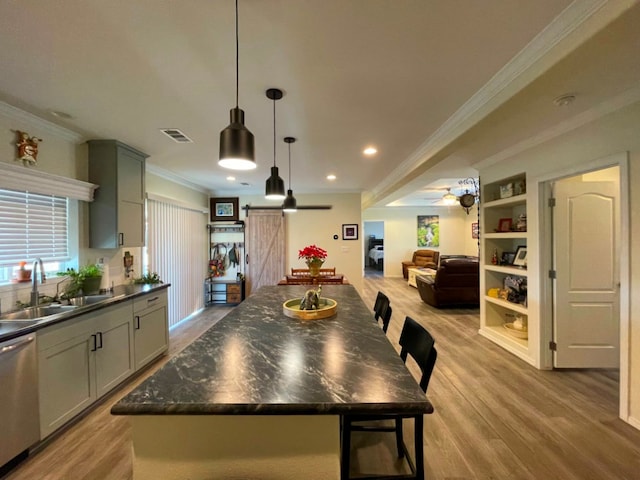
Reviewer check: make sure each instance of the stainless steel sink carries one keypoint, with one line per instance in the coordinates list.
(33, 313)
(88, 300)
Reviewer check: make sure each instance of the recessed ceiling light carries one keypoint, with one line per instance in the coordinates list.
(331, 177)
(370, 151)
(59, 114)
(231, 179)
(564, 100)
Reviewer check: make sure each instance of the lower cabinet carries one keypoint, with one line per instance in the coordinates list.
(151, 332)
(81, 360)
(84, 358)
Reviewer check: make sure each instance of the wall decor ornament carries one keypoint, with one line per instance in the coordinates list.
(224, 209)
(349, 231)
(27, 148)
(428, 230)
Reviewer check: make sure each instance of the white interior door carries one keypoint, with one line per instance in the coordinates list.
(587, 313)
(266, 247)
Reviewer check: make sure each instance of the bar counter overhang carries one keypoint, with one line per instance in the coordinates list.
(259, 395)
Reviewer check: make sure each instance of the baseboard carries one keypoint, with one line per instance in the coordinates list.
(634, 422)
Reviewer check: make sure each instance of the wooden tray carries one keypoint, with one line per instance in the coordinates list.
(328, 307)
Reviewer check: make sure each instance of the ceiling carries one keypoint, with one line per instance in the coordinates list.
(438, 86)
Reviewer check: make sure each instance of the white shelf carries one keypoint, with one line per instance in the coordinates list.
(506, 235)
(508, 202)
(517, 346)
(521, 272)
(516, 307)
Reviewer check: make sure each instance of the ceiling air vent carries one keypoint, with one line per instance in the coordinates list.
(176, 135)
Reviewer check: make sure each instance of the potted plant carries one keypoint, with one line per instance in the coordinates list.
(149, 278)
(86, 279)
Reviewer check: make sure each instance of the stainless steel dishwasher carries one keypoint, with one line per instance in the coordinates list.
(19, 418)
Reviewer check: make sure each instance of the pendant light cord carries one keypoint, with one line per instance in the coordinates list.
(237, 57)
(289, 166)
(274, 132)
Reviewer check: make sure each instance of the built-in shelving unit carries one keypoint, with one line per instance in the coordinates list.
(503, 230)
(225, 283)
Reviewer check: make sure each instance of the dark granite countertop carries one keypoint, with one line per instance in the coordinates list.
(121, 293)
(257, 361)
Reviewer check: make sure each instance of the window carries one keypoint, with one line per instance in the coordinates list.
(32, 226)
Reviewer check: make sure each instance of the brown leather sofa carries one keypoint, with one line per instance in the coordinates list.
(422, 259)
(456, 283)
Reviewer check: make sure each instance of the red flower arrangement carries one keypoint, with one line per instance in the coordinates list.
(312, 253)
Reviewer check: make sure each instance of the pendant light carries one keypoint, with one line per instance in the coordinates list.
(274, 188)
(290, 204)
(237, 151)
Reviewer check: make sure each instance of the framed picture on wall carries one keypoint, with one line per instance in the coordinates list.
(223, 209)
(349, 231)
(475, 230)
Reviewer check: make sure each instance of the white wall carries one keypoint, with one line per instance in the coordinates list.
(400, 232)
(571, 153)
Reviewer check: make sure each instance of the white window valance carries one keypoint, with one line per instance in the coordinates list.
(16, 177)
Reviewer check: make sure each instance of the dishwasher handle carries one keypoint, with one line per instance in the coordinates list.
(14, 346)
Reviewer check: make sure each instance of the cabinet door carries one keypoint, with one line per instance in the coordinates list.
(151, 335)
(66, 381)
(130, 176)
(114, 349)
(130, 224)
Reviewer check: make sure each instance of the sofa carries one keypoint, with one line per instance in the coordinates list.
(456, 283)
(422, 259)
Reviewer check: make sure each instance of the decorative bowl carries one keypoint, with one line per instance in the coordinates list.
(515, 332)
(328, 307)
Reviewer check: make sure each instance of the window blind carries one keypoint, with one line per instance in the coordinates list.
(32, 226)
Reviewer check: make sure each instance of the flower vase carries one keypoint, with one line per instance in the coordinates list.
(314, 267)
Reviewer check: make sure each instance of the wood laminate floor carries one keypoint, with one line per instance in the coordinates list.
(495, 416)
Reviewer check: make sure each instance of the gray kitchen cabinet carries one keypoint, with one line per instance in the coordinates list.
(82, 359)
(116, 215)
(151, 332)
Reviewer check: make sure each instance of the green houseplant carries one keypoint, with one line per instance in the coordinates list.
(149, 278)
(86, 280)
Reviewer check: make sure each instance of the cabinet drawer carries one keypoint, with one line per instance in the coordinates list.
(233, 288)
(234, 297)
(150, 300)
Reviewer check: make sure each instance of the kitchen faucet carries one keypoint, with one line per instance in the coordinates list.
(34, 281)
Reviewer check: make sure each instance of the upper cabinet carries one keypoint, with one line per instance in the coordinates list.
(116, 215)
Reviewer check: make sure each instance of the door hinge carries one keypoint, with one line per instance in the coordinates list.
(552, 202)
(552, 274)
(553, 346)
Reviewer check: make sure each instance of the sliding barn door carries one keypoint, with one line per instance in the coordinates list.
(266, 248)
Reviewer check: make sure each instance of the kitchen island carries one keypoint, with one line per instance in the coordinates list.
(259, 395)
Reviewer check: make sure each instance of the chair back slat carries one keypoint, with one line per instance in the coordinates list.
(381, 304)
(416, 341)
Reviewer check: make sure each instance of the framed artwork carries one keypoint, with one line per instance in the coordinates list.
(223, 209)
(507, 258)
(504, 225)
(520, 259)
(475, 230)
(349, 231)
(428, 230)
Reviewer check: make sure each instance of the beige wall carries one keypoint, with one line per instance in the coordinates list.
(307, 227)
(569, 154)
(400, 232)
(181, 193)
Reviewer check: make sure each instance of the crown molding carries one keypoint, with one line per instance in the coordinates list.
(603, 109)
(574, 25)
(167, 175)
(15, 113)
